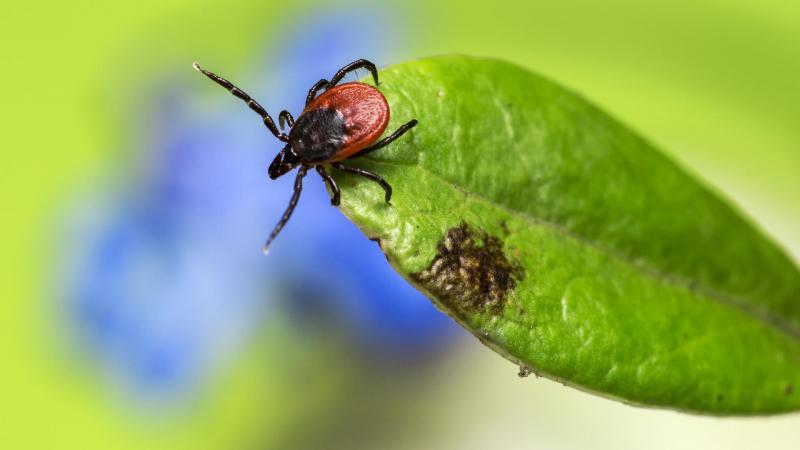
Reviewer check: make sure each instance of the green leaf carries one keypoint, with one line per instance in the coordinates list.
(571, 246)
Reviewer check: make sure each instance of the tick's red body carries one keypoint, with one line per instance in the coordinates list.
(344, 122)
(365, 112)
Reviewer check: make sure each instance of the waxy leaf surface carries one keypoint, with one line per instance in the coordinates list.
(571, 246)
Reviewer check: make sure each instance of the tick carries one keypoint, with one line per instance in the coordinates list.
(344, 122)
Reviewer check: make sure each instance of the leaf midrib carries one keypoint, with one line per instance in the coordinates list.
(647, 270)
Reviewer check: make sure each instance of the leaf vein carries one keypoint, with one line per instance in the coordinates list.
(664, 277)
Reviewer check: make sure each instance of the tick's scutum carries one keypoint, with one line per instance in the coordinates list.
(470, 272)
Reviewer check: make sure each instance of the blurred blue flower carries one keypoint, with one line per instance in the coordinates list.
(166, 280)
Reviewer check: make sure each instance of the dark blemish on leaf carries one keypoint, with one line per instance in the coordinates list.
(720, 398)
(789, 389)
(470, 272)
(524, 371)
(378, 241)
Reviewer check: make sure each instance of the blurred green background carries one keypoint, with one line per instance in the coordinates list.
(715, 84)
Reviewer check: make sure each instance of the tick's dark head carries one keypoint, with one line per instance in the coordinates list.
(284, 162)
(318, 134)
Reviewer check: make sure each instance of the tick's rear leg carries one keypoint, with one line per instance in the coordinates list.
(336, 195)
(367, 174)
(387, 140)
(355, 65)
(312, 93)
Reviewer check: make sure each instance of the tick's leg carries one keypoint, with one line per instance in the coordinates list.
(355, 65)
(331, 183)
(387, 140)
(285, 117)
(247, 99)
(366, 174)
(298, 187)
(323, 83)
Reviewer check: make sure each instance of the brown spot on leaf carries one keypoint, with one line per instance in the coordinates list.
(789, 389)
(470, 272)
